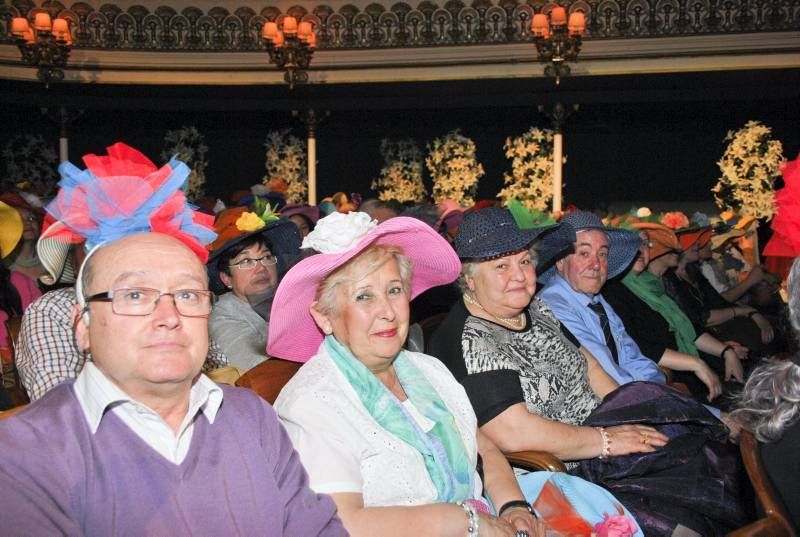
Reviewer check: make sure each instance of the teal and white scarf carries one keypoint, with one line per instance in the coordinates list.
(442, 448)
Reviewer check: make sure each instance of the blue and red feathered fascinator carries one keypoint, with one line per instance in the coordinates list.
(124, 193)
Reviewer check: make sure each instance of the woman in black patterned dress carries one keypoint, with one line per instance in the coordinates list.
(533, 387)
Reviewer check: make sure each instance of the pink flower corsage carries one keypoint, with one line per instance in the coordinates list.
(615, 526)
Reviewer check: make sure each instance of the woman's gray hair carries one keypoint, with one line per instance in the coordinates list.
(369, 260)
(793, 288)
(468, 267)
(770, 401)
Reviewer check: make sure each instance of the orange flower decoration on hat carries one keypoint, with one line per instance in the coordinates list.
(675, 220)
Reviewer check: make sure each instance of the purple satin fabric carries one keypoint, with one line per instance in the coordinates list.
(692, 481)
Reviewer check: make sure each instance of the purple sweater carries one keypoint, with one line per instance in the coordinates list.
(241, 476)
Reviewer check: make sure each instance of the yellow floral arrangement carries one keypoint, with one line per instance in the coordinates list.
(531, 177)
(187, 144)
(750, 165)
(286, 159)
(454, 169)
(263, 214)
(249, 222)
(401, 178)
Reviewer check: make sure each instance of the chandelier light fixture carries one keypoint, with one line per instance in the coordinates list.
(45, 46)
(558, 41)
(290, 46)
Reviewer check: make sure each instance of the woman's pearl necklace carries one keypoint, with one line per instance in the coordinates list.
(514, 322)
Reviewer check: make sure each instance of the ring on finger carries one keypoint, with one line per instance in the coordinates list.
(521, 533)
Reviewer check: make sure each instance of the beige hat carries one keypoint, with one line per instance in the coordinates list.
(53, 251)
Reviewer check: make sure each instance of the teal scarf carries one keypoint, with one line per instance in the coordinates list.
(442, 449)
(651, 290)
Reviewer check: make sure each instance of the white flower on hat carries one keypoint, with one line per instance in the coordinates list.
(643, 212)
(338, 232)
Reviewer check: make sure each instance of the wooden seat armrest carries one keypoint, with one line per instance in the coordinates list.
(11, 411)
(667, 373)
(776, 522)
(763, 527)
(536, 460)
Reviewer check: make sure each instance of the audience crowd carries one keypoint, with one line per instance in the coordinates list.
(434, 340)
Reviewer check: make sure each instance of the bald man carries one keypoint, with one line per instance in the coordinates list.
(142, 443)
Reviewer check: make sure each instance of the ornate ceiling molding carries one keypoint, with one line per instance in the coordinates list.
(399, 42)
(401, 25)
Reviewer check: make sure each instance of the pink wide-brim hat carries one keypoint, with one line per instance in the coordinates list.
(293, 334)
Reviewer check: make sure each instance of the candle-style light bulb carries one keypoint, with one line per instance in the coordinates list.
(278, 40)
(558, 16)
(539, 24)
(60, 28)
(42, 22)
(304, 30)
(19, 25)
(270, 30)
(577, 23)
(289, 25)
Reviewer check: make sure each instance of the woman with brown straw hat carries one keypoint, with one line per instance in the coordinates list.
(247, 260)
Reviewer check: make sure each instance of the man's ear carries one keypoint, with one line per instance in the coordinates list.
(560, 265)
(81, 327)
(322, 320)
(226, 279)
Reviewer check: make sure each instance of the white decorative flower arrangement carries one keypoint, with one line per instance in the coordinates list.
(401, 178)
(531, 177)
(189, 146)
(287, 159)
(750, 165)
(338, 232)
(454, 169)
(30, 165)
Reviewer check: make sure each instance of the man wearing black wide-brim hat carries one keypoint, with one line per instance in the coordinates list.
(572, 290)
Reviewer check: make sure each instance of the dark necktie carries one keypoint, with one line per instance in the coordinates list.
(598, 308)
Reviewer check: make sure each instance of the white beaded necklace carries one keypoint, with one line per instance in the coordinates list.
(515, 322)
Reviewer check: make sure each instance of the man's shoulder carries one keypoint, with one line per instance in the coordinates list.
(62, 300)
(244, 400)
(52, 416)
(557, 297)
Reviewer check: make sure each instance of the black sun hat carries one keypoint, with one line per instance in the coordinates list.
(493, 232)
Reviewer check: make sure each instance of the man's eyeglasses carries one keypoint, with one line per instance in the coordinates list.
(248, 263)
(142, 301)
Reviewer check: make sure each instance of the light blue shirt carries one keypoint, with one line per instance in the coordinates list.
(571, 308)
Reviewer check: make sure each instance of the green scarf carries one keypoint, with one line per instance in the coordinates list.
(651, 290)
(442, 449)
